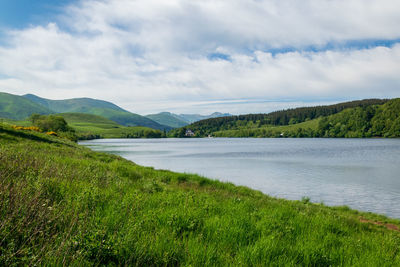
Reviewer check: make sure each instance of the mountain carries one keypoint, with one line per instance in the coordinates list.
(167, 118)
(190, 118)
(73, 105)
(176, 121)
(97, 107)
(18, 107)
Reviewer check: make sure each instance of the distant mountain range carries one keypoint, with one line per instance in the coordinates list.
(168, 118)
(190, 118)
(20, 107)
(176, 121)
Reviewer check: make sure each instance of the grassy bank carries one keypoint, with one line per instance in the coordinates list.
(62, 204)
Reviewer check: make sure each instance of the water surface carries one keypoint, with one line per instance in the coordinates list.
(361, 173)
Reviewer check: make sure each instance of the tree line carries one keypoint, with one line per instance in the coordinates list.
(277, 118)
(363, 118)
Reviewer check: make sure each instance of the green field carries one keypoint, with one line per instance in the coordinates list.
(87, 125)
(63, 204)
(294, 130)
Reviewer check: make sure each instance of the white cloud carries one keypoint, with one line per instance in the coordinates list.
(139, 54)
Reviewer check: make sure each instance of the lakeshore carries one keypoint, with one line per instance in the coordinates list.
(65, 204)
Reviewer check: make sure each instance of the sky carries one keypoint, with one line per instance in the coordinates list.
(201, 56)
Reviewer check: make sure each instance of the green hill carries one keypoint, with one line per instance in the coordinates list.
(63, 204)
(88, 126)
(72, 105)
(76, 118)
(97, 107)
(17, 107)
(372, 121)
(167, 118)
(299, 122)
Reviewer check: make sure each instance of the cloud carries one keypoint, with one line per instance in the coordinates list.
(177, 52)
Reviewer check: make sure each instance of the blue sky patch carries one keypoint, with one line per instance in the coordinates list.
(348, 45)
(18, 14)
(219, 56)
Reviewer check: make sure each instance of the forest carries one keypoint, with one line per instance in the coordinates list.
(363, 118)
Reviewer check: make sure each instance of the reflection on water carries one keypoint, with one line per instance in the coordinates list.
(360, 173)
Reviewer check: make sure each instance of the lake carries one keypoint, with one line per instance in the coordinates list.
(361, 173)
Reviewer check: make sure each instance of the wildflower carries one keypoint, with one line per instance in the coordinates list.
(52, 133)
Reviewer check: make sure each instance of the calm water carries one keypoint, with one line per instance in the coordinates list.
(361, 173)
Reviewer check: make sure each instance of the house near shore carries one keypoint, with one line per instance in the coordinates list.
(189, 133)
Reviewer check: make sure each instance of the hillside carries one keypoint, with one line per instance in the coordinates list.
(167, 118)
(371, 121)
(97, 107)
(72, 105)
(299, 122)
(62, 204)
(17, 107)
(88, 126)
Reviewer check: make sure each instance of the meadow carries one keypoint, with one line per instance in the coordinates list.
(302, 129)
(63, 204)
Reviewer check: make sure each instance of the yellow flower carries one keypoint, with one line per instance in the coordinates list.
(52, 133)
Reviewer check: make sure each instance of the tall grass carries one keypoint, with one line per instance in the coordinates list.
(62, 204)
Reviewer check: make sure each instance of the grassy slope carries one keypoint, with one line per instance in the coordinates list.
(277, 130)
(166, 118)
(61, 204)
(97, 107)
(88, 124)
(18, 107)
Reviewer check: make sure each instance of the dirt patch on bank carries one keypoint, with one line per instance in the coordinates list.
(389, 226)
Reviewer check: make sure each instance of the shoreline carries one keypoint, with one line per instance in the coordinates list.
(63, 203)
(333, 199)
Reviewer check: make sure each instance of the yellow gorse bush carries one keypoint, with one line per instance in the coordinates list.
(52, 133)
(30, 128)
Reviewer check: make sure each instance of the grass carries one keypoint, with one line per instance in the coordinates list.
(270, 130)
(63, 204)
(87, 125)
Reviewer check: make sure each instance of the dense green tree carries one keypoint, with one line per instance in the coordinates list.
(50, 123)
